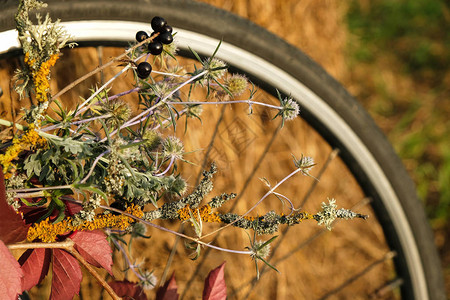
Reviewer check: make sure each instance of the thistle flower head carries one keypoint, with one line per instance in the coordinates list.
(173, 147)
(162, 89)
(215, 68)
(152, 139)
(138, 230)
(236, 84)
(290, 109)
(179, 186)
(305, 163)
(131, 153)
(148, 280)
(193, 110)
(259, 250)
(171, 49)
(119, 111)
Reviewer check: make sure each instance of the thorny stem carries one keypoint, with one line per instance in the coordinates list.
(76, 122)
(136, 89)
(270, 192)
(161, 102)
(169, 74)
(303, 244)
(130, 265)
(102, 87)
(128, 66)
(250, 102)
(172, 159)
(292, 208)
(68, 245)
(193, 78)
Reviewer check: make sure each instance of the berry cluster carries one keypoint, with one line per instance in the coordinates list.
(155, 47)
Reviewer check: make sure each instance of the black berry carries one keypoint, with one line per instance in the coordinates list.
(141, 35)
(165, 38)
(153, 34)
(166, 28)
(155, 48)
(158, 23)
(143, 70)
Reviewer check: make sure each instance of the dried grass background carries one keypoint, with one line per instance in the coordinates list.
(316, 27)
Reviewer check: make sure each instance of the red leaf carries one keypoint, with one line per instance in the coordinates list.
(94, 247)
(66, 276)
(35, 264)
(10, 274)
(169, 291)
(12, 227)
(128, 290)
(72, 208)
(215, 287)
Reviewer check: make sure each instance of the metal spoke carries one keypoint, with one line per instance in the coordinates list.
(388, 256)
(249, 178)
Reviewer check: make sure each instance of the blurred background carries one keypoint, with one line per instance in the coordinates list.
(394, 57)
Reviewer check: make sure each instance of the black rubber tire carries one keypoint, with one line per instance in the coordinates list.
(220, 24)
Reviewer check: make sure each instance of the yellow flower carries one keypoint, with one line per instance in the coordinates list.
(41, 76)
(204, 211)
(47, 232)
(29, 139)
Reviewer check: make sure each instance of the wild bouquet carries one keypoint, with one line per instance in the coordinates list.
(76, 183)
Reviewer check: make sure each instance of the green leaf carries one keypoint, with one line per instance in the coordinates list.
(217, 49)
(90, 188)
(267, 242)
(267, 263)
(224, 87)
(195, 54)
(39, 203)
(32, 166)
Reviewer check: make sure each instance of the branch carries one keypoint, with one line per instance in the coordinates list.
(68, 245)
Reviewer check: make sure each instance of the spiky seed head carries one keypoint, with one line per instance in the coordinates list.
(152, 139)
(173, 147)
(236, 84)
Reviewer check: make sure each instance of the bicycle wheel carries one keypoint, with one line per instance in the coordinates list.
(325, 104)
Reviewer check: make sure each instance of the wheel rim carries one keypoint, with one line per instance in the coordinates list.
(87, 31)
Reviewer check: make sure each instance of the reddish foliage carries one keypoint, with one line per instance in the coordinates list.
(10, 275)
(72, 208)
(215, 287)
(128, 290)
(94, 247)
(169, 291)
(66, 270)
(66, 276)
(12, 227)
(31, 214)
(35, 264)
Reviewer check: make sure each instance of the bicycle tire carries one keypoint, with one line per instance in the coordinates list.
(326, 105)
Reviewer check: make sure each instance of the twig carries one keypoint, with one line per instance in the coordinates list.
(100, 68)
(196, 240)
(68, 245)
(94, 273)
